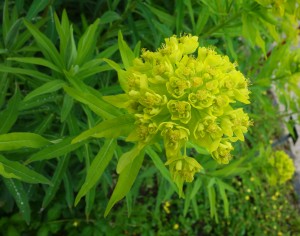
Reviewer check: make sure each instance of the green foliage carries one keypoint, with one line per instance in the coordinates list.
(65, 134)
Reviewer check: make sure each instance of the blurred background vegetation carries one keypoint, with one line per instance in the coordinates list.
(40, 179)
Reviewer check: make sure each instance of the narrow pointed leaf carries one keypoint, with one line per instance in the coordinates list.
(125, 182)
(35, 74)
(14, 169)
(56, 150)
(97, 105)
(97, 168)
(112, 128)
(49, 87)
(126, 53)
(36, 61)
(12, 141)
(18, 192)
(35, 7)
(47, 47)
(86, 44)
(56, 181)
(128, 157)
(11, 36)
(9, 116)
(121, 73)
(161, 167)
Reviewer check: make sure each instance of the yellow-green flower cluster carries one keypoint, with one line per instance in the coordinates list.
(183, 92)
(283, 168)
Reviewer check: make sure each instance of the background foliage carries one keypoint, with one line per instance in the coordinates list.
(53, 78)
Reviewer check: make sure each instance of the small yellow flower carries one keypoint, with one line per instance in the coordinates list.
(247, 198)
(176, 226)
(166, 207)
(252, 179)
(248, 190)
(75, 223)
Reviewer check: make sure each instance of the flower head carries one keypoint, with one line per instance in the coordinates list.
(283, 168)
(183, 92)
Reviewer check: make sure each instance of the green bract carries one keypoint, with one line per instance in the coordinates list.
(183, 92)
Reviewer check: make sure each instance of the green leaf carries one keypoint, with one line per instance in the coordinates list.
(128, 157)
(125, 182)
(32, 73)
(82, 74)
(12, 141)
(67, 43)
(36, 61)
(109, 16)
(5, 19)
(68, 186)
(96, 104)
(112, 128)
(56, 180)
(212, 198)
(108, 52)
(56, 150)
(249, 28)
(119, 100)
(164, 17)
(46, 46)
(11, 36)
(161, 167)
(14, 169)
(121, 73)
(49, 87)
(18, 192)
(224, 197)
(66, 107)
(35, 7)
(9, 116)
(86, 44)
(97, 168)
(179, 16)
(126, 53)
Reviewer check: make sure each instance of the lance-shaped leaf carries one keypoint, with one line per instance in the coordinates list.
(126, 53)
(49, 87)
(33, 73)
(56, 150)
(36, 61)
(9, 116)
(113, 128)
(128, 157)
(18, 192)
(35, 7)
(86, 44)
(12, 141)
(14, 169)
(46, 46)
(121, 73)
(120, 100)
(125, 182)
(161, 167)
(56, 180)
(97, 168)
(96, 104)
